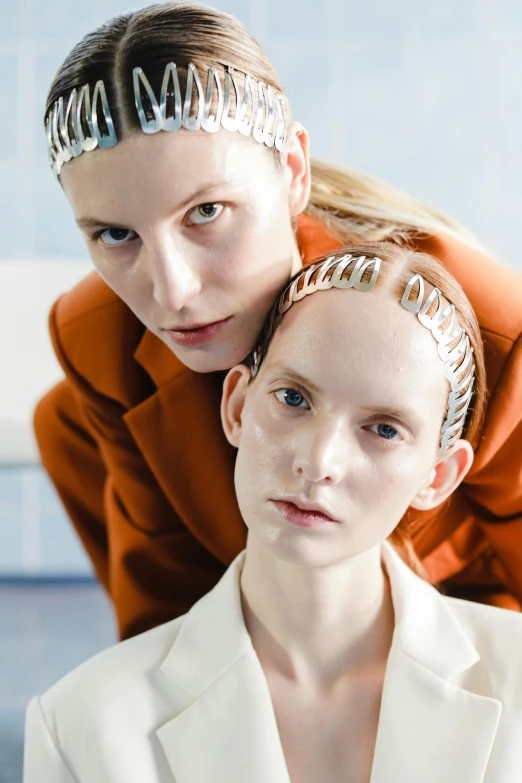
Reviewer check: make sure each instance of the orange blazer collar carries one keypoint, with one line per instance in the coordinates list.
(157, 358)
(314, 239)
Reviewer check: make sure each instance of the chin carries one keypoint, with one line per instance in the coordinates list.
(298, 550)
(206, 359)
(203, 366)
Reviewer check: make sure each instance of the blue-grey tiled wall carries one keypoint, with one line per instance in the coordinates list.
(35, 536)
(427, 95)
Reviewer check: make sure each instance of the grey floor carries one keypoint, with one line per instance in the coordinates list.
(46, 630)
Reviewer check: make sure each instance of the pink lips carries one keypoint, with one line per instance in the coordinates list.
(310, 516)
(197, 335)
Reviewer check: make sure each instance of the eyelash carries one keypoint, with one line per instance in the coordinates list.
(97, 236)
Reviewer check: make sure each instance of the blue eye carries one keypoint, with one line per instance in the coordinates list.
(116, 236)
(387, 432)
(291, 397)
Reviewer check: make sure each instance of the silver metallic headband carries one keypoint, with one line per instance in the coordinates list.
(459, 367)
(258, 111)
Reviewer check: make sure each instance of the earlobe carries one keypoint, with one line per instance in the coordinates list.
(298, 167)
(232, 402)
(448, 472)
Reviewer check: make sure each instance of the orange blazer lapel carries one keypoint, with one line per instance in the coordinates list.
(178, 429)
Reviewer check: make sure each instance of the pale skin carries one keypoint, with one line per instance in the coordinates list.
(191, 228)
(360, 438)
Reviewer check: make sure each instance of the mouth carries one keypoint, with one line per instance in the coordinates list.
(301, 512)
(197, 334)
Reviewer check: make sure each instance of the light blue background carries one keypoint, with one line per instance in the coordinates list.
(427, 95)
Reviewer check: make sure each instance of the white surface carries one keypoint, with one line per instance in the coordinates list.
(28, 289)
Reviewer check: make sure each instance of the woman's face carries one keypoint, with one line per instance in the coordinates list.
(345, 416)
(191, 230)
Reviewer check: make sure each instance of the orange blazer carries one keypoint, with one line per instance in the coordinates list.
(132, 440)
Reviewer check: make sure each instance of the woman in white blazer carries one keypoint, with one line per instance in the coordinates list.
(320, 655)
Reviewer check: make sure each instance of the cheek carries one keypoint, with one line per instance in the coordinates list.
(263, 465)
(398, 480)
(110, 270)
(261, 243)
(264, 458)
(266, 448)
(134, 288)
(255, 263)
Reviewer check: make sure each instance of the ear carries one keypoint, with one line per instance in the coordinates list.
(445, 477)
(233, 399)
(297, 167)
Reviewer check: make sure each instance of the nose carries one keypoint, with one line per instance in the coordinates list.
(321, 454)
(174, 277)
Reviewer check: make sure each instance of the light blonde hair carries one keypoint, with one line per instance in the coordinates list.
(358, 207)
(353, 205)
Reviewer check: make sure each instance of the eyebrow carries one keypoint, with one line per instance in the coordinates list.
(294, 375)
(92, 222)
(403, 414)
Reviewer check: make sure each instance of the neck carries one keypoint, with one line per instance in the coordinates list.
(318, 626)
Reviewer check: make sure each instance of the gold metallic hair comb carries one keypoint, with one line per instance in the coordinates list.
(347, 271)
(258, 111)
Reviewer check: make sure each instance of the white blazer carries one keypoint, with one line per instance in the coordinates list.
(188, 701)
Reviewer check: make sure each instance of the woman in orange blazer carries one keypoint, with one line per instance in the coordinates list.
(191, 235)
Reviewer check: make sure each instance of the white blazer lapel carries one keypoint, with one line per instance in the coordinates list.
(228, 732)
(430, 728)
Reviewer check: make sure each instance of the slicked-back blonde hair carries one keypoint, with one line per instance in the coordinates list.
(355, 206)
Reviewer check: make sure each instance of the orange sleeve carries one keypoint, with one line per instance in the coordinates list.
(152, 566)
(71, 457)
(494, 488)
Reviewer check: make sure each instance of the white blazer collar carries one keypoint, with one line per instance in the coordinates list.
(425, 627)
(430, 729)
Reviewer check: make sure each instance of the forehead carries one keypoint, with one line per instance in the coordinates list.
(164, 164)
(362, 341)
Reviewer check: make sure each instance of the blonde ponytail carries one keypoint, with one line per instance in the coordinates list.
(358, 207)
